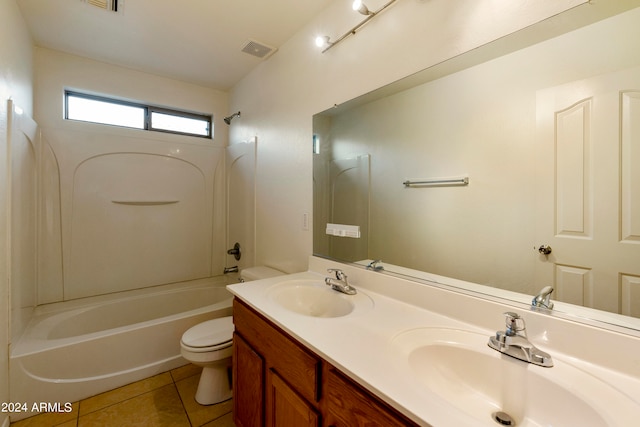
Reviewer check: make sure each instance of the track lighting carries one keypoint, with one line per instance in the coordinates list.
(361, 8)
(324, 42)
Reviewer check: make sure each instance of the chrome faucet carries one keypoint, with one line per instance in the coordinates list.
(374, 265)
(340, 282)
(543, 299)
(514, 342)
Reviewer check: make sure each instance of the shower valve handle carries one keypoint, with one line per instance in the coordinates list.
(235, 251)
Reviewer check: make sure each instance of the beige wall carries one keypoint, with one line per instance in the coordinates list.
(279, 98)
(15, 83)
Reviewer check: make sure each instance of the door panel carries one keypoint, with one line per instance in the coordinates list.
(589, 192)
(286, 407)
(248, 384)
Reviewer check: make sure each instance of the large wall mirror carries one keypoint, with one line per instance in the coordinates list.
(509, 153)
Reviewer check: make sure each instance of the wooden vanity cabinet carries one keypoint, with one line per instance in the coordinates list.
(277, 382)
(282, 387)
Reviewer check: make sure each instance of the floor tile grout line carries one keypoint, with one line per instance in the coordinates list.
(216, 419)
(184, 407)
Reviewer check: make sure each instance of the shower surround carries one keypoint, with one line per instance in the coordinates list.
(123, 213)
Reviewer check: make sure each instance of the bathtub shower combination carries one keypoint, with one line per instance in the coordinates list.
(130, 249)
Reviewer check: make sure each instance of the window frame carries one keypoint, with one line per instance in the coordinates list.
(148, 110)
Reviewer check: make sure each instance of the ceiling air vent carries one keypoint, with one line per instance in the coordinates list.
(260, 50)
(110, 5)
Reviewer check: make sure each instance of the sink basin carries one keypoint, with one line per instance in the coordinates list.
(459, 367)
(315, 299)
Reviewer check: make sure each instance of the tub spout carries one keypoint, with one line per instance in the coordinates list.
(233, 269)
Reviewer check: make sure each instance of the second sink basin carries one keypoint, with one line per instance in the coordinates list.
(315, 299)
(458, 366)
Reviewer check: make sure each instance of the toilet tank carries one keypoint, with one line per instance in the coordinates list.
(257, 273)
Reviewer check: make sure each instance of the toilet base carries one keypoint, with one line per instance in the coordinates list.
(215, 384)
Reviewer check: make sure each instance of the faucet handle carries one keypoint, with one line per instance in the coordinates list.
(514, 323)
(339, 273)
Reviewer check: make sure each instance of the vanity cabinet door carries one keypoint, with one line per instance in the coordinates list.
(293, 362)
(285, 407)
(248, 384)
(349, 405)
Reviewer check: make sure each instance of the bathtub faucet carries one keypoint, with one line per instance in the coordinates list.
(233, 269)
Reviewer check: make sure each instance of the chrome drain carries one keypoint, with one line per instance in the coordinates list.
(503, 418)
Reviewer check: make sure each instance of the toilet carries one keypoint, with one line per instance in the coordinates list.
(209, 344)
(259, 272)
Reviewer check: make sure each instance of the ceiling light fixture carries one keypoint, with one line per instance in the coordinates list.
(361, 8)
(324, 41)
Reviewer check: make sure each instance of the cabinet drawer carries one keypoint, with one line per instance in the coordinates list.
(297, 366)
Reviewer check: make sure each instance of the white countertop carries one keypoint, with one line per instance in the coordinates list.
(360, 344)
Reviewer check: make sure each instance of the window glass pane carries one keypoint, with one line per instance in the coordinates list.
(93, 110)
(104, 110)
(181, 124)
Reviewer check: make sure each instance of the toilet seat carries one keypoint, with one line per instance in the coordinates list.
(212, 335)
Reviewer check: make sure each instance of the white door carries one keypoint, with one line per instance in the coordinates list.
(588, 191)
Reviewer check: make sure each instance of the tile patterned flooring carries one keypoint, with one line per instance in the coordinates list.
(164, 400)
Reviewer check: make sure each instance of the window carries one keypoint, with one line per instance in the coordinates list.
(104, 111)
(98, 109)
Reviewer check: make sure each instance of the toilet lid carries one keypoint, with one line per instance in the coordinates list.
(211, 333)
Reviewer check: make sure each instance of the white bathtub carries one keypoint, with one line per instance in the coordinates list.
(76, 349)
